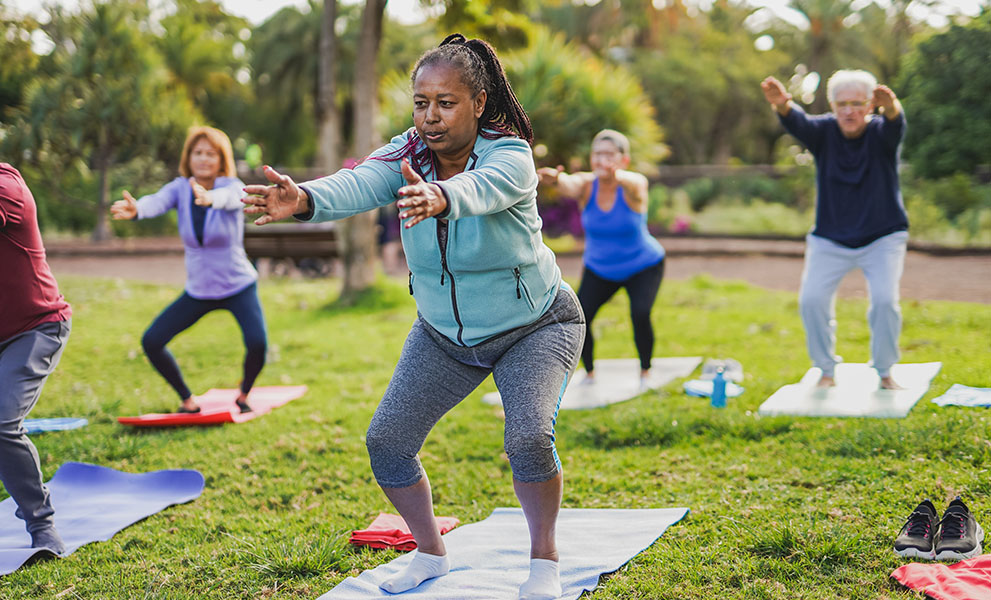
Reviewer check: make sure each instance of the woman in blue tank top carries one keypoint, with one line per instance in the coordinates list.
(619, 251)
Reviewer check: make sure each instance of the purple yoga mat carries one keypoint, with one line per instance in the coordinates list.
(92, 503)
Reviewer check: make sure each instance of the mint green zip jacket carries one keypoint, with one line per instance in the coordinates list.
(495, 274)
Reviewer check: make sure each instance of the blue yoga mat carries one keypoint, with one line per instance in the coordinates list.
(491, 559)
(56, 424)
(965, 395)
(92, 503)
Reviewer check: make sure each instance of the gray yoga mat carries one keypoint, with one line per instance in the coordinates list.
(491, 559)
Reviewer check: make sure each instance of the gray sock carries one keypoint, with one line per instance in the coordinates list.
(48, 538)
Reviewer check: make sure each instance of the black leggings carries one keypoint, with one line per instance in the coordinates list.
(642, 288)
(185, 311)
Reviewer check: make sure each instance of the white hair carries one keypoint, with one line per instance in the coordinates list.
(850, 79)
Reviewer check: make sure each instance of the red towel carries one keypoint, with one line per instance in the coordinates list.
(391, 531)
(966, 580)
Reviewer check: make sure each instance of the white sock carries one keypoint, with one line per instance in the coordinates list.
(544, 582)
(421, 568)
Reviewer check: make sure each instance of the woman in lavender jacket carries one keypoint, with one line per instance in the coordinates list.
(207, 198)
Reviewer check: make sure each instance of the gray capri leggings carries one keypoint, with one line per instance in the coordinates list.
(531, 366)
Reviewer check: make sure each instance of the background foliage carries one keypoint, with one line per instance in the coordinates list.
(680, 77)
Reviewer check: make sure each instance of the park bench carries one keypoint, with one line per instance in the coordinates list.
(309, 247)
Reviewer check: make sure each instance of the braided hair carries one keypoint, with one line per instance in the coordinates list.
(480, 69)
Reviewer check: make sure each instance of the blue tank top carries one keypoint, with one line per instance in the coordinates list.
(617, 243)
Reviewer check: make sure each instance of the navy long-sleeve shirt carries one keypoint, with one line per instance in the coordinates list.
(858, 199)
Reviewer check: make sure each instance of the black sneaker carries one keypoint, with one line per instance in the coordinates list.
(959, 534)
(915, 540)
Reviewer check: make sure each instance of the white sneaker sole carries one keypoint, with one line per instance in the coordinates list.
(951, 555)
(916, 553)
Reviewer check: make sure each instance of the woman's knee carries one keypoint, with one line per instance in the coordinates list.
(152, 342)
(640, 316)
(532, 455)
(256, 347)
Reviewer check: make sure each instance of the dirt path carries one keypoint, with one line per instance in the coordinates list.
(771, 264)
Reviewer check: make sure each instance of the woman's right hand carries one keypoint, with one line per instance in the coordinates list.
(548, 175)
(274, 202)
(126, 209)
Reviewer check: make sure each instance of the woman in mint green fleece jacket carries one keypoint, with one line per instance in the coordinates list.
(488, 291)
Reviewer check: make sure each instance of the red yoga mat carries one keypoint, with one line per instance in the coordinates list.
(217, 407)
(967, 580)
(391, 531)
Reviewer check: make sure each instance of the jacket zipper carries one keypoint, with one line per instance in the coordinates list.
(442, 242)
(525, 291)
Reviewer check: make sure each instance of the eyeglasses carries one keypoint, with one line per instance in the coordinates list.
(851, 104)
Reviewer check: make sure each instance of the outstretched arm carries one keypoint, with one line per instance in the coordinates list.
(570, 185)
(226, 197)
(635, 186)
(777, 95)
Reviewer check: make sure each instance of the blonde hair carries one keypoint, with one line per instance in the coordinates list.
(618, 139)
(219, 140)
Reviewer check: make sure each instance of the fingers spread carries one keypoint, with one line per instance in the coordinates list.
(256, 190)
(411, 176)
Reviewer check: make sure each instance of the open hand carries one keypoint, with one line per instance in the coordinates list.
(200, 195)
(884, 98)
(274, 202)
(418, 200)
(775, 92)
(126, 209)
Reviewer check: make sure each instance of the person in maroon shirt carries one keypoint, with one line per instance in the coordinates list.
(34, 326)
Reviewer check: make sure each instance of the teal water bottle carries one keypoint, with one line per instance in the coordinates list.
(719, 389)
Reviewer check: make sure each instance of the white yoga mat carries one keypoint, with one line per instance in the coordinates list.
(857, 393)
(491, 559)
(616, 380)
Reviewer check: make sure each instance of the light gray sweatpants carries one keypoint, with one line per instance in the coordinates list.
(26, 360)
(531, 366)
(826, 263)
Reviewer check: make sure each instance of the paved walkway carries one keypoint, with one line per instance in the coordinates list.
(773, 264)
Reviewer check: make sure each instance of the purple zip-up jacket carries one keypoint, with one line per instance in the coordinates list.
(217, 268)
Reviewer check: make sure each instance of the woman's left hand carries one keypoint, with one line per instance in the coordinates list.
(200, 195)
(418, 200)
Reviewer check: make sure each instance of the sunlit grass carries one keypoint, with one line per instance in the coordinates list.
(781, 508)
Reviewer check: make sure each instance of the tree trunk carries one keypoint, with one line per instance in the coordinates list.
(328, 120)
(101, 232)
(358, 233)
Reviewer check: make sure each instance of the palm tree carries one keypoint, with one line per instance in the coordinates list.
(826, 27)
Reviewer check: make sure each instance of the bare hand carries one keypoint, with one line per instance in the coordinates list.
(548, 175)
(126, 209)
(200, 195)
(884, 98)
(775, 92)
(274, 202)
(418, 200)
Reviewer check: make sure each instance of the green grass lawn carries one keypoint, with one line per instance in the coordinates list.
(780, 507)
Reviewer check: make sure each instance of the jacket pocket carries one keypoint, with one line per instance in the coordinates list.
(522, 291)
